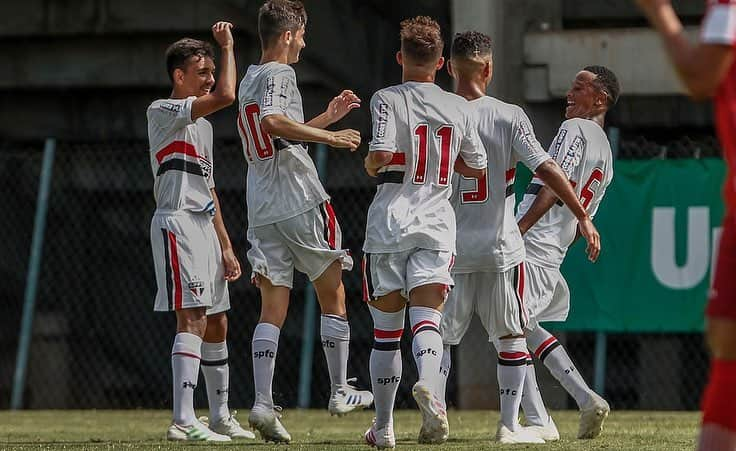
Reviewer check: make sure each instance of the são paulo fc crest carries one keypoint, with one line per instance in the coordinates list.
(196, 287)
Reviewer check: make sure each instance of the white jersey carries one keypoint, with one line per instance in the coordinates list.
(181, 157)
(488, 238)
(427, 128)
(282, 181)
(582, 150)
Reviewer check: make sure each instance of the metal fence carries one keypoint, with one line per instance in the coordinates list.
(96, 342)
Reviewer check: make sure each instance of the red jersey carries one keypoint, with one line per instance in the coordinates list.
(719, 27)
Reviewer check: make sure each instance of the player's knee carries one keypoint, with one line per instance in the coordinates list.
(193, 321)
(216, 328)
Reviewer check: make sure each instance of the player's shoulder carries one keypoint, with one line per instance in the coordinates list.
(167, 107)
(487, 104)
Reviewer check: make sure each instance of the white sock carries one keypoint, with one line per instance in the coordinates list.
(426, 344)
(185, 355)
(385, 362)
(265, 344)
(531, 398)
(547, 349)
(444, 374)
(335, 332)
(511, 370)
(217, 377)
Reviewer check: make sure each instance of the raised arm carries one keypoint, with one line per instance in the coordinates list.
(224, 93)
(700, 66)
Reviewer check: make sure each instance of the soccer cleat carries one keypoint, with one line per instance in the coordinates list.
(592, 417)
(548, 432)
(229, 426)
(435, 428)
(347, 399)
(506, 436)
(382, 438)
(196, 432)
(266, 421)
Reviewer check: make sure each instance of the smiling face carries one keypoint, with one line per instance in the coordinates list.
(197, 77)
(584, 98)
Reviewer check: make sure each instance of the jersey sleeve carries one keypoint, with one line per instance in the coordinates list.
(525, 143)
(384, 124)
(171, 114)
(719, 24)
(279, 90)
(567, 150)
(471, 149)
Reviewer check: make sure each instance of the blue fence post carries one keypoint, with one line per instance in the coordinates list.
(34, 267)
(310, 310)
(599, 366)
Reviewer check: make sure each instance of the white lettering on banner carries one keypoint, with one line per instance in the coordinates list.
(664, 264)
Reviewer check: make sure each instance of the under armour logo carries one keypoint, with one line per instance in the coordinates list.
(188, 384)
(222, 391)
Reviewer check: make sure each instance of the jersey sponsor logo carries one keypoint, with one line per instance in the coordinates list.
(206, 166)
(558, 144)
(573, 154)
(527, 137)
(268, 95)
(382, 120)
(171, 107)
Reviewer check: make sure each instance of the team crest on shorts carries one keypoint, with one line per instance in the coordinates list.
(196, 287)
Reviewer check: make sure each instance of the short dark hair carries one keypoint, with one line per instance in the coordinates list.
(178, 54)
(421, 39)
(606, 81)
(470, 44)
(278, 16)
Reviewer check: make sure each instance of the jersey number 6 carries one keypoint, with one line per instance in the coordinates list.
(591, 186)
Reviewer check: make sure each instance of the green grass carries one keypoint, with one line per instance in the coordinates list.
(316, 430)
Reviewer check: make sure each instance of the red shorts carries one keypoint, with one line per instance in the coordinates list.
(722, 302)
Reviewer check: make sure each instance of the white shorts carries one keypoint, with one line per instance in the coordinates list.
(548, 296)
(309, 242)
(404, 271)
(188, 263)
(496, 297)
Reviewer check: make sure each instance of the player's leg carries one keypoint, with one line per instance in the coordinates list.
(509, 317)
(273, 272)
(719, 422)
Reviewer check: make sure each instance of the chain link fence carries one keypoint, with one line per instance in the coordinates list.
(96, 342)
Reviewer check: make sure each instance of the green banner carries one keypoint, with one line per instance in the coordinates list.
(660, 226)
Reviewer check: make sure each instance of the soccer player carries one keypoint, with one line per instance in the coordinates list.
(419, 131)
(489, 271)
(192, 252)
(581, 148)
(707, 69)
(291, 223)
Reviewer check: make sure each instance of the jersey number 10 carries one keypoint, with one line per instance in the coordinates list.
(261, 139)
(444, 136)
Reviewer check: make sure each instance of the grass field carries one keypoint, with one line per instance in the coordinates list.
(316, 430)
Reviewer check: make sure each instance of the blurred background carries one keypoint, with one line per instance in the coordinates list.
(79, 74)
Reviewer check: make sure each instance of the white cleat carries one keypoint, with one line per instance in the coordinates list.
(347, 398)
(548, 432)
(229, 426)
(506, 436)
(266, 421)
(435, 428)
(382, 438)
(195, 432)
(592, 417)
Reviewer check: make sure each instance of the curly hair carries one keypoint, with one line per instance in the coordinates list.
(606, 81)
(421, 39)
(470, 44)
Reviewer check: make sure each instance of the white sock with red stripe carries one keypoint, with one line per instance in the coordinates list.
(426, 345)
(335, 332)
(385, 362)
(511, 370)
(185, 356)
(444, 374)
(265, 345)
(531, 399)
(216, 377)
(547, 349)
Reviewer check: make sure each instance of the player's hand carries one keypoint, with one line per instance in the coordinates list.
(341, 105)
(373, 172)
(232, 265)
(345, 139)
(222, 34)
(590, 233)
